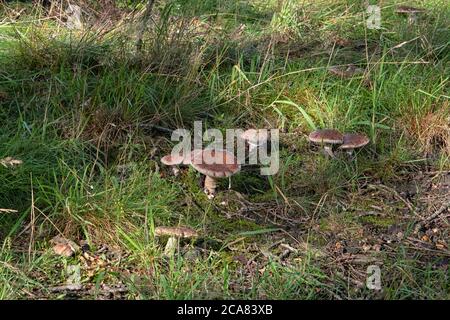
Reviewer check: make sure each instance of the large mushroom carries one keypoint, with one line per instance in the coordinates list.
(214, 164)
(411, 12)
(327, 138)
(174, 234)
(255, 138)
(353, 141)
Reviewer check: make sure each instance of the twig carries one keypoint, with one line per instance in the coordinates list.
(443, 207)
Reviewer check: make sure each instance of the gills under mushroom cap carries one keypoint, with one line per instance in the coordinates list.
(326, 136)
(180, 232)
(214, 163)
(354, 140)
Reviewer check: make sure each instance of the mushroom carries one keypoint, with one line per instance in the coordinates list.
(411, 12)
(214, 164)
(353, 141)
(63, 246)
(255, 138)
(327, 137)
(174, 161)
(174, 233)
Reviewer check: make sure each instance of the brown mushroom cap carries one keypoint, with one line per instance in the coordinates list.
(407, 9)
(171, 160)
(326, 136)
(224, 163)
(354, 140)
(180, 232)
(255, 136)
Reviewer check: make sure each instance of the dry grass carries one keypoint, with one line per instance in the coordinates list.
(431, 130)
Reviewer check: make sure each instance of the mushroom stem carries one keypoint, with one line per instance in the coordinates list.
(351, 154)
(412, 18)
(210, 185)
(328, 151)
(171, 246)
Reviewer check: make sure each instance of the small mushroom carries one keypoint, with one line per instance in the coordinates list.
(214, 164)
(174, 233)
(353, 141)
(255, 138)
(326, 137)
(174, 161)
(63, 246)
(411, 12)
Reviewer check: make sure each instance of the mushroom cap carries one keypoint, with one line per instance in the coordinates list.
(407, 9)
(173, 159)
(326, 136)
(255, 136)
(354, 140)
(180, 232)
(215, 163)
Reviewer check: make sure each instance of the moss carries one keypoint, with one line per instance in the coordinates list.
(378, 221)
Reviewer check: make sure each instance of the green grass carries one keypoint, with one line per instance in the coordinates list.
(77, 109)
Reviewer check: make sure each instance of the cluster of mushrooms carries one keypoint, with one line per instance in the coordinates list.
(328, 138)
(225, 168)
(229, 166)
(331, 137)
(213, 171)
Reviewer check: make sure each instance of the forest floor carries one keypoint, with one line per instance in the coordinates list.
(85, 117)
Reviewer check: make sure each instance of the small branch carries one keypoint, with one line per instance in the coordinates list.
(438, 212)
